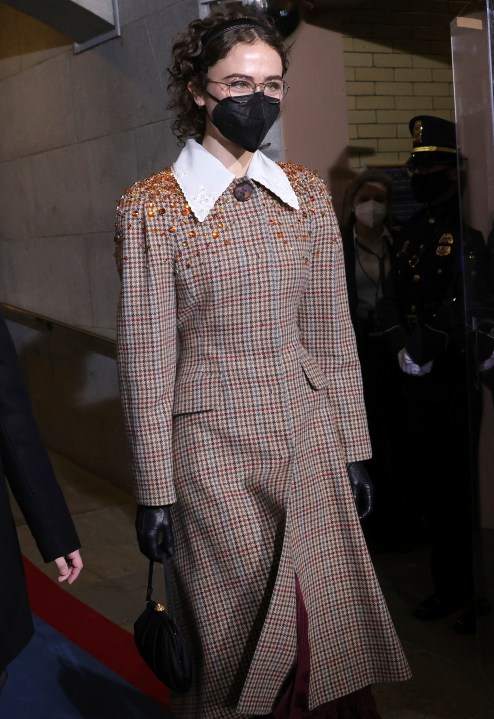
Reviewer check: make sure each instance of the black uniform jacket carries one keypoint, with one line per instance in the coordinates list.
(25, 465)
(438, 260)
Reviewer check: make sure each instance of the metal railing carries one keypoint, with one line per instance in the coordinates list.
(97, 343)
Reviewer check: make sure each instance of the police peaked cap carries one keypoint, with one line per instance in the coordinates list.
(434, 140)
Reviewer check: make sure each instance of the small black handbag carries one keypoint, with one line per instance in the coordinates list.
(158, 638)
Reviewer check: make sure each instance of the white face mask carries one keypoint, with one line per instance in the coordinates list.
(370, 213)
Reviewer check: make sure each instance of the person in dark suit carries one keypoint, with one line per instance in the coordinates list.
(434, 287)
(26, 468)
(368, 231)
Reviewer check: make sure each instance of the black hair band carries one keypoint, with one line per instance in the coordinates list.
(227, 25)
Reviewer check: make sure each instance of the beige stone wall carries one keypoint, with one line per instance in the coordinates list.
(397, 64)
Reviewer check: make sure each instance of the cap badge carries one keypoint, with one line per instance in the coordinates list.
(418, 130)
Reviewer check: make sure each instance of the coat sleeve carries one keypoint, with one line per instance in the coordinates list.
(325, 324)
(146, 346)
(26, 464)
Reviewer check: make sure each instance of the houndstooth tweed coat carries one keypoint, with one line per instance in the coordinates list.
(248, 434)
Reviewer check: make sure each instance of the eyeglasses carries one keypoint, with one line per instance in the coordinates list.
(240, 90)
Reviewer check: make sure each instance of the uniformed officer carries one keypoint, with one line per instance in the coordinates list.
(438, 268)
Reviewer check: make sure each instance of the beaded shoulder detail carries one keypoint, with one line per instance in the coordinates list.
(152, 196)
(303, 180)
(160, 186)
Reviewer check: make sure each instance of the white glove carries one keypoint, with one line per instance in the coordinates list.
(408, 366)
(487, 364)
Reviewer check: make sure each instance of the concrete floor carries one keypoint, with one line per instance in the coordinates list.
(453, 675)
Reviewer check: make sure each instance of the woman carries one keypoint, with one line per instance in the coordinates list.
(243, 441)
(26, 466)
(368, 237)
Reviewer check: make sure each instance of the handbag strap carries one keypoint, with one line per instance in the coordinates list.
(169, 591)
(150, 581)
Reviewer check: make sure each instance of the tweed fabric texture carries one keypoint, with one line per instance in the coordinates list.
(246, 425)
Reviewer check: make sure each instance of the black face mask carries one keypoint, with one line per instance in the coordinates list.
(427, 188)
(247, 123)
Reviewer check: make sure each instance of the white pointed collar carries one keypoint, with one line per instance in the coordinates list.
(203, 178)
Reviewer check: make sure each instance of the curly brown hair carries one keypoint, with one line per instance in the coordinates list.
(191, 58)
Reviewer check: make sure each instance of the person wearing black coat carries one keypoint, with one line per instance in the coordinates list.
(368, 231)
(27, 470)
(436, 284)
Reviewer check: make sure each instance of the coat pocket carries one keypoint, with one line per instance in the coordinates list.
(313, 372)
(196, 392)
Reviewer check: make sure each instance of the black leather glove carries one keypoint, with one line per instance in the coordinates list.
(362, 488)
(155, 532)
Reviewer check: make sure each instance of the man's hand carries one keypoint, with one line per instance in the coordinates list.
(69, 567)
(408, 366)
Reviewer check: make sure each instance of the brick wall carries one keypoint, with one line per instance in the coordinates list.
(397, 64)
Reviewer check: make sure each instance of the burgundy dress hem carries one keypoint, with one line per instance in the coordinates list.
(293, 703)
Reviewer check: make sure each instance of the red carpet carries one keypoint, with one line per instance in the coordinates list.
(98, 636)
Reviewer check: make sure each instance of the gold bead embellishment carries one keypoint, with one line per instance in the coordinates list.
(215, 234)
(172, 228)
(192, 233)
